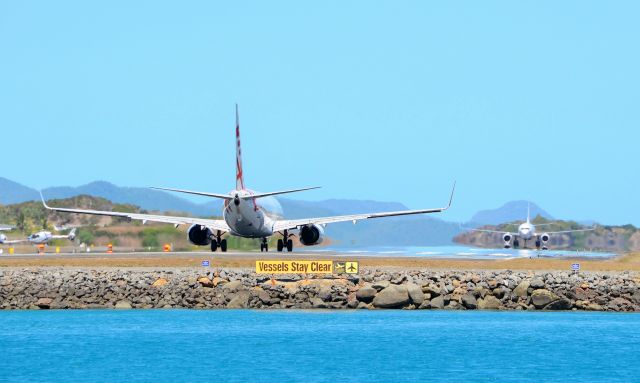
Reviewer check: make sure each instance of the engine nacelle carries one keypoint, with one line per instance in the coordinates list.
(545, 238)
(198, 236)
(311, 235)
(3, 238)
(506, 238)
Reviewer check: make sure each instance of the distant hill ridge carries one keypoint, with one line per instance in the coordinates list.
(509, 212)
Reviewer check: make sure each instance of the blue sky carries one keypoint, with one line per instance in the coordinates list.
(386, 101)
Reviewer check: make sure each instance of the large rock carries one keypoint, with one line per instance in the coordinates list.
(366, 293)
(232, 286)
(44, 303)
(205, 282)
(469, 301)
(415, 293)
(537, 283)
(380, 285)
(392, 296)
(318, 303)
(123, 304)
(542, 297)
(560, 304)
(160, 282)
(239, 301)
(521, 289)
(489, 302)
(437, 302)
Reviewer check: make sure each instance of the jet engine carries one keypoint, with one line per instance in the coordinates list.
(199, 236)
(311, 235)
(506, 238)
(544, 238)
(3, 238)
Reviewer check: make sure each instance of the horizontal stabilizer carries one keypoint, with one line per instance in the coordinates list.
(215, 195)
(260, 195)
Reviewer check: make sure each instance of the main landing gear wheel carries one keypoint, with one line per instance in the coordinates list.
(516, 244)
(264, 246)
(280, 245)
(289, 245)
(223, 245)
(538, 244)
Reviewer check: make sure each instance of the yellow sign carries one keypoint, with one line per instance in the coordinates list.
(294, 267)
(11, 250)
(351, 267)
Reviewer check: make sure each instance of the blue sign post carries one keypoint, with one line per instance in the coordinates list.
(575, 267)
(205, 263)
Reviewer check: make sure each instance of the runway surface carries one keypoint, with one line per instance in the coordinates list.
(245, 259)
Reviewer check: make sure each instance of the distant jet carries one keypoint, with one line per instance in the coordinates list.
(41, 237)
(527, 232)
(244, 217)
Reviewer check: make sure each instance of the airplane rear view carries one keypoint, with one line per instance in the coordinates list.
(243, 216)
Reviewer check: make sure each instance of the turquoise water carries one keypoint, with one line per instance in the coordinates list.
(314, 346)
(460, 252)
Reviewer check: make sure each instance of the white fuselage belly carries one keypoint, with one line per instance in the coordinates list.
(246, 218)
(526, 231)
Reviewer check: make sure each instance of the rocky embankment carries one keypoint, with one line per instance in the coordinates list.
(56, 288)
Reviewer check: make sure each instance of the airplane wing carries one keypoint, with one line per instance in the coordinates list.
(296, 223)
(6, 228)
(569, 231)
(214, 224)
(494, 231)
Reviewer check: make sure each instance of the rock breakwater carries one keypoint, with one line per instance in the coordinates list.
(64, 288)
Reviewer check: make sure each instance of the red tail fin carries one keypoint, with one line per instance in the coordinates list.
(239, 175)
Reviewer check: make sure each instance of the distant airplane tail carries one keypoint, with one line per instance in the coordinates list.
(239, 174)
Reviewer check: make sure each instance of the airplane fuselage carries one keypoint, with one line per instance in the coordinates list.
(245, 217)
(526, 231)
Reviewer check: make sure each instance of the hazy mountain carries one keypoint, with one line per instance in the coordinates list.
(509, 212)
(13, 192)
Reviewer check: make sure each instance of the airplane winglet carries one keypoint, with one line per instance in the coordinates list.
(44, 203)
(453, 190)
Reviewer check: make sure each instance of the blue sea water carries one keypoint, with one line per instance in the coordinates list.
(318, 346)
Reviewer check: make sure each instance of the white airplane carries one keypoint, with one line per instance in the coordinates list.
(527, 232)
(41, 237)
(244, 217)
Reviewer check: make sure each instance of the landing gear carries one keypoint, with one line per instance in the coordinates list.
(289, 245)
(264, 246)
(285, 242)
(516, 244)
(219, 242)
(538, 244)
